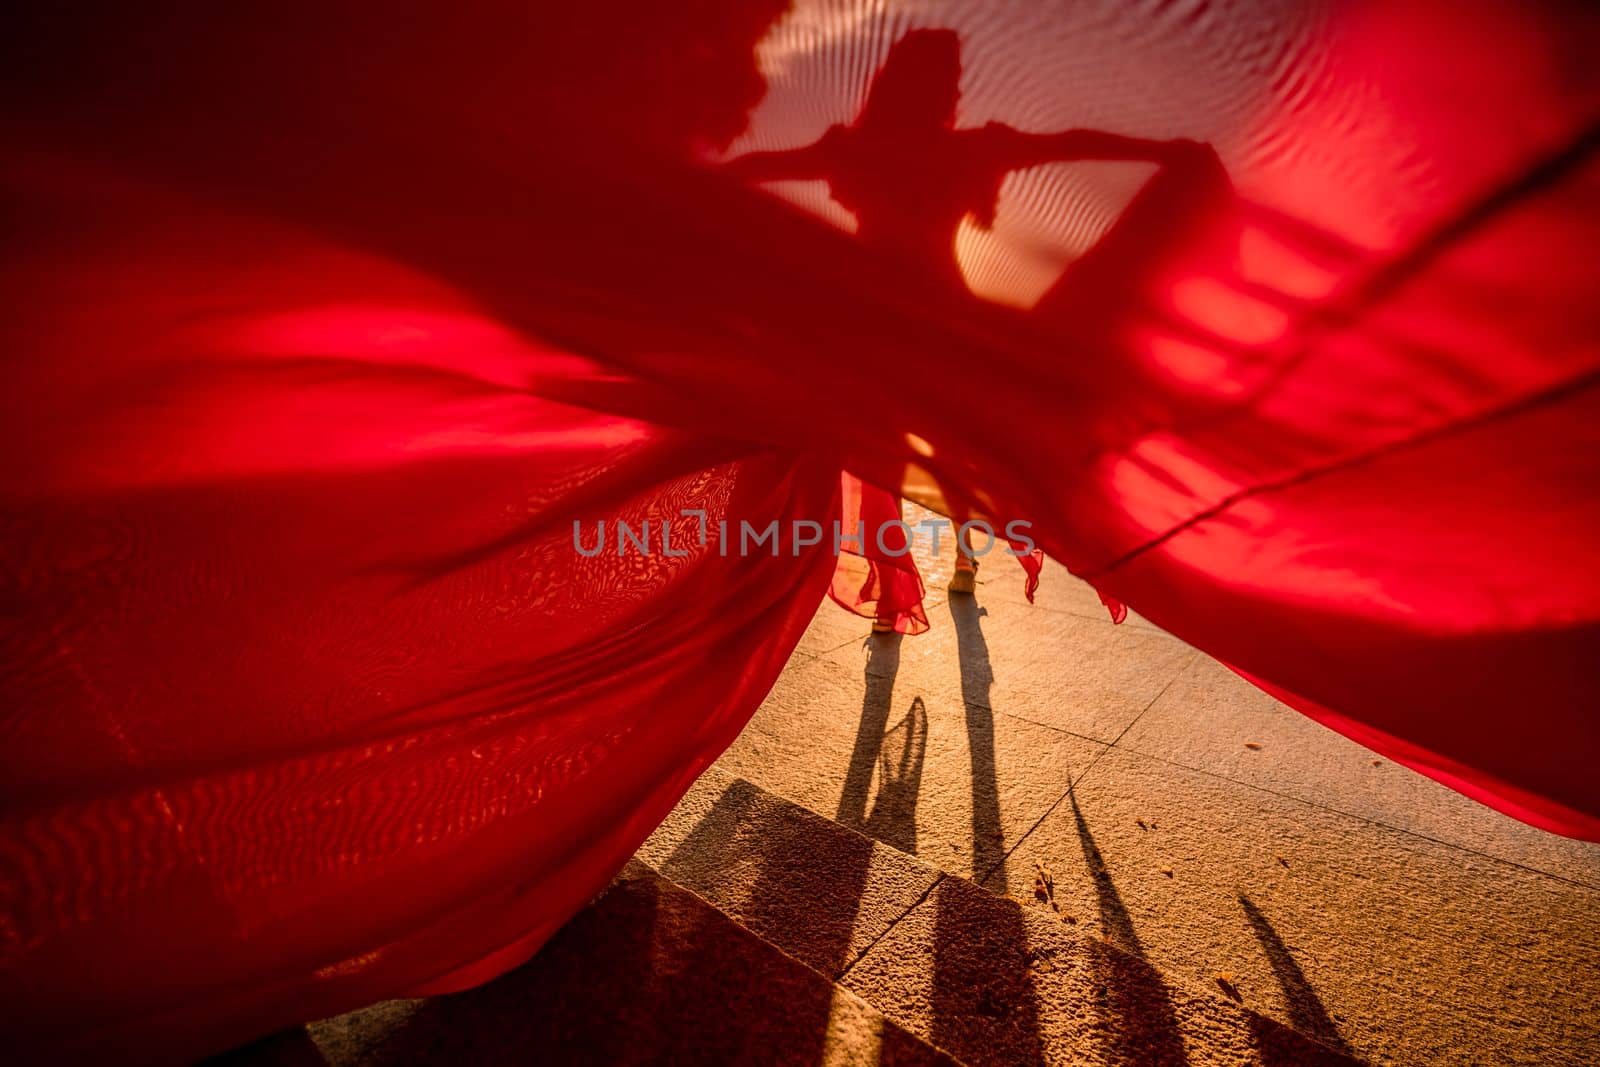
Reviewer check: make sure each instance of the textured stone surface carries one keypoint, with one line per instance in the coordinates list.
(1360, 903)
(912, 766)
(816, 891)
(995, 982)
(976, 974)
(1206, 717)
(1066, 671)
(1401, 948)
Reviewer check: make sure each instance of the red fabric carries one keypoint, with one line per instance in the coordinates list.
(876, 577)
(325, 326)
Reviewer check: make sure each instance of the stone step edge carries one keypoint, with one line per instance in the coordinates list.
(664, 853)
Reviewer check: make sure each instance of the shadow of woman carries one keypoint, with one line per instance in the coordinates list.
(883, 664)
(984, 1004)
(977, 677)
(897, 752)
(910, 176)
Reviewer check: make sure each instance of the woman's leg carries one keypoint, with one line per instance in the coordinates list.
(964, 579)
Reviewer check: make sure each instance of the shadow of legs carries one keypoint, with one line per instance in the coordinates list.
(988, 841)
(883, 663)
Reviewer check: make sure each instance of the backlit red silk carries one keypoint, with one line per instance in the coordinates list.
(326, 324)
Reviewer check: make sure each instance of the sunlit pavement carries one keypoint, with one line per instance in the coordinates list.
(1229, 842)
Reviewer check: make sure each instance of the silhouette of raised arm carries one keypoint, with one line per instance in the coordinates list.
(1031, 149)
(789, 164)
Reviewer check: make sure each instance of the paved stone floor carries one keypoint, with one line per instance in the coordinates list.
(1191, 819)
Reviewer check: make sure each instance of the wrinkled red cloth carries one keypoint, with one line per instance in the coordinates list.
(335, 334)
(875, 576)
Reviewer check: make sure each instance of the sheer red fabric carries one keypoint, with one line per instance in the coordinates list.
(875, 576)
(341, 341)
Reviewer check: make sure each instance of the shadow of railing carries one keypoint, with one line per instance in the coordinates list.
(1136, 999)
(1306, 1011)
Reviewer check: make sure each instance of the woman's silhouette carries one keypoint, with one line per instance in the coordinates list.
(910, 176)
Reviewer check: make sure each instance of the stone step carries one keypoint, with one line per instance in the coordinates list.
(1199, 824)
(985, 978)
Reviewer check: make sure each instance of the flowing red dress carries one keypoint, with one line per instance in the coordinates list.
(326, 324)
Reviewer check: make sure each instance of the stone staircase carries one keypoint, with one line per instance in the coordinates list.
(749, 929)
